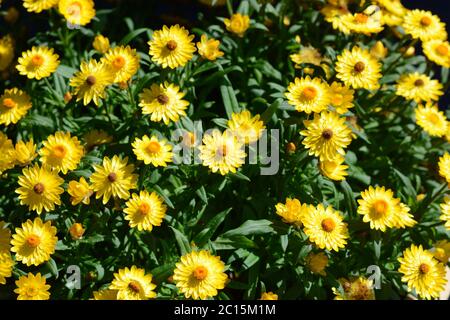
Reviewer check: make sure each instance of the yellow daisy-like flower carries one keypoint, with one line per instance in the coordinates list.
(96, 137)
(145, 210)
(419, 87)
(317, 262)
(14, 105)
(356, 288)
(77, 12)
(445, 212)
(32, 287)
(153, 151)
(171, 47)
(422, 272)
(39, 5)
(5, 237)
(308, 95)
(269, 296)
(133, 284)
(246, 127)
(6, 52)
(209, 48)
(124, 62)
(341, 97)
(437, 51)
(25, 152)
(292, 211)
(34, 242)
(222, 152)
(6, 266)
(38, 63)
(40, 188)
(358, 69)
(367, 22)
(101, 44)
(61, 152)
(379, 51)
(199, 275)
(80, 191)
(237, 24)
(163, 102)
(7, 159)
(433, 121)
(114, 178)
(442, 251)
(105, 294)
(325, 228)
(424, 25)
(334, 169)
(326, 135)
(307, 55)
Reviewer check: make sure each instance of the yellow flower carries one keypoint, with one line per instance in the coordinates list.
(335, 169)
(61, 152)
(25, 152)
(163, 102)
(307, 55)
(317, 262)
(40, 188)
(419, 87)
(6, 266)
(445, 212)
(6, 52)
(32, 287)
(153, 151)
(80, 191)
(76, 231)
(379, 51)
(422, 272)
(292, 211)
(326, 135)
(442, 251)
(77, 12)
(246, 127)
(145, 210)
(308, 95)
(7, 159)
(101, 44)
(433, 121)
(133, 284)
(404, 218)
(38, 5)
(367, 22)
(124, 62)
(91, 81)
(424, 25)
(357, 288)
(171, 47)
(14, 105)
(237, 24)
(392, 11)
(199, 275)
(341, 97)
(96, 137)
(114, 178)
(34, 242)
(209, 48)
(358, 69)
(38, 63)
(437, 51)
(106, 294)
(334, 14)
(5, 237)
(269, 296)
(222, 152)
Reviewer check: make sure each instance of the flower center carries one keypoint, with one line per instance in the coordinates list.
(380, 207)
(112, 177)
(74, 9)
(134, 286)
(425, 21)
(33, 241)
(118, 62)
(38, 188)
(144, 208)
(59, 151)
(361, 18)
(31, 291)
(337, 99)
(171, 45)
(424, 268)
(162, 99)
(442, 50)
(359, 67)
(309, 93)
(327, 134)
(9, 103)
(37, 60)
(153, 147)
(419, 83)
(91, 80)
(200, 273)
(328, 224)
(433, 118)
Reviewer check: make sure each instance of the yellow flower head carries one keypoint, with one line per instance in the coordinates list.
(237, 24)
(39, 5)
(124, 62)
(335, 14)
(367, 22)
(269, 296)
(6, 52)
(419, 87)
(163, 102)
(334, 169)
(355, 288)
(96, 137)
(133, 284)
(222, 152)
(34, 242)
(25, 152)
(445, 212)
(153, 151)
(392, 11)
(76, 231)
(145, 210)
(8, 158)
(101, 44)
(317, 262)
(292, 211)
(61, 152)
(424, 25)
(79, 191)
(308, 95)
(14, 104)
(40, 188)
(38, 63)
(379, 51)
(114, 178)
(422, 272)
(358, 69)
(326, 135)
(199, 275)
(209, 48)
(307, 55)
(246, 127)
(32, 287)
(172, 47)
(437, 51)
(442, 251)
(6, 266)
(341, 97)
(77, 12)
(433, 121)
(5, 237)
(106, 294)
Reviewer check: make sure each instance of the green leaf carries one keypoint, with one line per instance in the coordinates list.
(250, 227)
(133, 34)
(267, 115)
(163, 195)
(51, 264)
(229, 99)
(182, 240)
(210, 228)
(65, 71)
(350, 202)
(163, 272)
(407, 182)
(201, 192)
